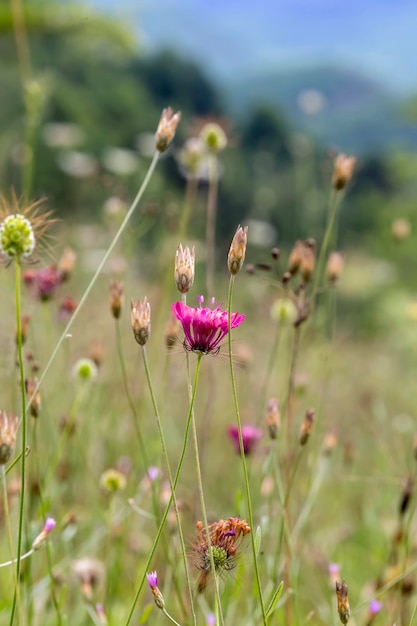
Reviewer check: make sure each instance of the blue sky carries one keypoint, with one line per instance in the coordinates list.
(377, 37)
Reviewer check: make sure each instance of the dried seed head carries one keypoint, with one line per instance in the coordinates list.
(140, 313)
(111, 480)
(184, 268)
(8, 432)
(85, 370)
(236, 256)
(167, 128)
(66, 263)
(116, 298)
(343, 171)
(273, 418)
(342, 601)
(334, 267)
(306, 427)
(308, 260)
(34, 397)
(213, 137)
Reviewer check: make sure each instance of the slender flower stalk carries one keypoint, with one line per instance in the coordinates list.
(243, 456)
(171, 481)
(168, 507)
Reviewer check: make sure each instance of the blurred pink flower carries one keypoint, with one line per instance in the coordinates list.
(43, 283)
(250, 436)
(205, 328)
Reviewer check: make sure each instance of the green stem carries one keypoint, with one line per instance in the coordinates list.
(171, 619)
(171, 482)
(98, 271)
(24, 432)
(9, 528)
(242, 454)
(204, 511)
(165, 515)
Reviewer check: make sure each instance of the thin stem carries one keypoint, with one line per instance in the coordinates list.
(270, 366)
(97, 272)
(9, 529)
(242, 454)
(211, 222)
(171, 619)
(175, 481)
(22, 558)
(23, 430)
(204, 513)
(171, 482)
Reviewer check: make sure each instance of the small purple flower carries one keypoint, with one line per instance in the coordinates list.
(374, 607)
(205, 328)
(210, 619)
(153, 473)
(250, 435)
(152, 580)
(49, 525)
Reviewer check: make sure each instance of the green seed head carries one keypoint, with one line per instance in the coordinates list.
(17, 238)
(219, 557)
(85, 369)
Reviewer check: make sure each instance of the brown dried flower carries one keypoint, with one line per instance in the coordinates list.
(140, 313)
(166, 129)
(184, 268)
(236, 256)
(343, 171)
(8, 432)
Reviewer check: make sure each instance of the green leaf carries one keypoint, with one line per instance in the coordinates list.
(258, 537)
(144, 617)
(274, 600)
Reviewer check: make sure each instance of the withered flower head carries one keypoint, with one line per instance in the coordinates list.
(166, 129)
(343, 171)
(273, 418)
(334, 267)
(306, 427)
(296, 255)
(8, 432)
(33, 397)
(140, 313)
(184, 268)
(21, 227)
(342, 601)
(225, 539)
(90, 573)
(236, 256)
(116, 298)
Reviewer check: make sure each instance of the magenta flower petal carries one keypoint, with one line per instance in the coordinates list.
(152, 578)
(250, 435)
(204, 328)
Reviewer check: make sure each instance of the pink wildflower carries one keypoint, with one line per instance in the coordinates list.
(205, 328)
(250, 435)
(43, 282)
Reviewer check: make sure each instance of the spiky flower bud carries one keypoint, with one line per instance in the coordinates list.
(34, 397)
(343, 171)
(184, 268)
(334, 267)
(152, 579)
(213, 137)
(140, 313)
(236, 256)
(17, 238)
(85, 369)
(111, 480)
(343, 607)
(273, 418)
(167, 128)
(8, 432)
(306, 427)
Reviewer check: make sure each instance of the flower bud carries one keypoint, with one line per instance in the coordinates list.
(116, 299)
(343, 607)
(8, 432)
(273, 418)
(171, 332)
(334, 267)
(166, 129)
(24, 326)
(306, 427)
(343, 171)
(308, 260)
(140, 313)
(236, 256)
(35, 404)
(157, 595)
(66, 263)
(295, 258)
(41, 538)
(17, 238)
(184, 268)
